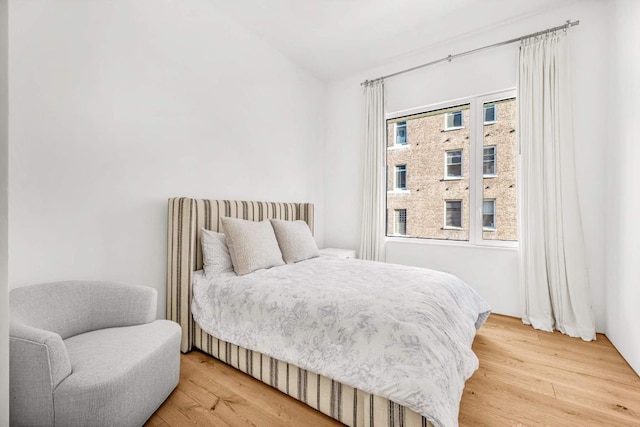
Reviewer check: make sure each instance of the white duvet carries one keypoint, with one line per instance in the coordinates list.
(399, 332)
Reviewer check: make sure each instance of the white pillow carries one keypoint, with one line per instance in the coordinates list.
(215, 254)
(252, 245)
(295, 240)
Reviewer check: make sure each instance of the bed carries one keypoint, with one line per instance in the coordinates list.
(349, 405)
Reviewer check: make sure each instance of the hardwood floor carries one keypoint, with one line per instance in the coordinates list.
(526, 378)
(529, 377)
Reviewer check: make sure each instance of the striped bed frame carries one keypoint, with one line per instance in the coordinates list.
(346, 404)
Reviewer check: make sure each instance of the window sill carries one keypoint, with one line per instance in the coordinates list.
(452, 178)
(453, 128)
(399, 147)
(491, 123)
(489, 229)
(486, 244)
(490, 176)
(452, 228)
(398, 192)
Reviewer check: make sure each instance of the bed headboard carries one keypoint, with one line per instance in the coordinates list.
(184, 254)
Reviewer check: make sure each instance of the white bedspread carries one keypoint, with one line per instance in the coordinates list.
(399, 332)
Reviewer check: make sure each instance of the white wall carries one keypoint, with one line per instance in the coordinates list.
(623, 227)
(4, 217)
(493, 272)
(117, 106)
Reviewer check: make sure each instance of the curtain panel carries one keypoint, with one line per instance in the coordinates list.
(553, 270)
(372, 232)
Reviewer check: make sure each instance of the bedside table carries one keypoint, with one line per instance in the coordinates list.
(338, 253)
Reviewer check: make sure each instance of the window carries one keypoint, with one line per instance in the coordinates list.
(489, 114)
(401, 133)
(453, 214)
(453, 164)
(454, 171)
(401, 177)
(498, 193)
(400, 222)
(453, 120)
(489, 215)
(489, 161)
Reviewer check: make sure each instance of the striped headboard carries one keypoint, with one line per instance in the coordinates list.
(184, 254)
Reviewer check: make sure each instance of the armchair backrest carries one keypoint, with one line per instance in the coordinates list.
(75, 307)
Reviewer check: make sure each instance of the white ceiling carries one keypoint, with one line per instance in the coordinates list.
(335, 38)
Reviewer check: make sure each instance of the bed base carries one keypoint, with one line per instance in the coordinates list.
(341, 402)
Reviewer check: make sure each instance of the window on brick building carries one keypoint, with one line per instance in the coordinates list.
(489, 114)
(401, 133)
(453, 214)
(400, 222)
(401, 177)
(489, 215)
(453, 120)
(489, 161)
(453, 164)
(455, 169)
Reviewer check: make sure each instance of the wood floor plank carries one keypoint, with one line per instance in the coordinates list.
(497, 374)
(559, 370)
(625, 407)
(210, 394)
(156, 421)
(526, 378)
(510, 401)
(272, 405)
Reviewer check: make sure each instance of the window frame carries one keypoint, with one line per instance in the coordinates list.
(453, 127)
(395, 135)
(448, 177)
(454, 227)
(395, 177)
(484, 115)
(494, 228)
(475, 159)
(477, 197)
(495, 161)
(397, 214)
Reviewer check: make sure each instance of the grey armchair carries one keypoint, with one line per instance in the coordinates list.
(89, 354)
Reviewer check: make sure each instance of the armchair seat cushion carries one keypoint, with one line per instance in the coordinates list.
(120, 376)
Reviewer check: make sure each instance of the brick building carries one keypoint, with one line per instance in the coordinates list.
(428, 173)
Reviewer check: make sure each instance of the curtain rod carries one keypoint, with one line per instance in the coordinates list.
(566, 26)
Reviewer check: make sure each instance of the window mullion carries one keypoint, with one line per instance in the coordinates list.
(475, 171)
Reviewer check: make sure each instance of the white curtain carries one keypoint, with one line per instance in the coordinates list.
(374, 184)
(553, 271)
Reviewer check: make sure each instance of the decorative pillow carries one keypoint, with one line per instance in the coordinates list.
(252, 245)
(215, 254)
(295, 240)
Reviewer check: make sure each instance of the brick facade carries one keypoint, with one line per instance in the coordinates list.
(427, 189)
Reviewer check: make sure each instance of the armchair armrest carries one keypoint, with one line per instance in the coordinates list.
(38, 363)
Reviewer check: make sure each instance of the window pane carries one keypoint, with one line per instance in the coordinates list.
(488, 214)
(499, 209)
(401, 177)
(457, 118)
(489, 161)
(489, 113)
(453, 213)
(400, 222)
(432, 156)
(401, 133)
(454, 119)
(454, 164)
